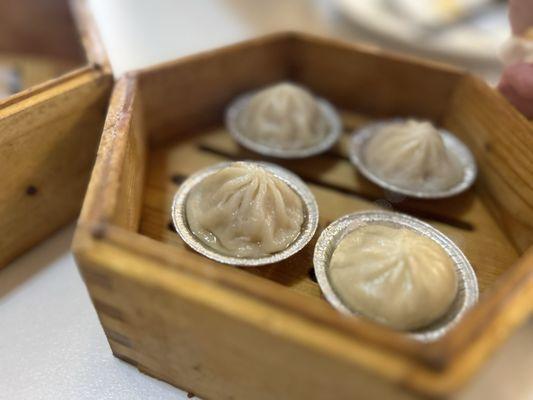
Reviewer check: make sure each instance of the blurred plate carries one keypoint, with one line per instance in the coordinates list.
(478, 38)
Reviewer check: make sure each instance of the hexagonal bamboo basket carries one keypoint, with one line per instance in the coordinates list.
(267, 333)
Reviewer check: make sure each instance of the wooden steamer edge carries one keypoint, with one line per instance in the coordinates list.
(48, 140)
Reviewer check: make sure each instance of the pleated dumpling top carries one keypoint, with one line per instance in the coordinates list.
(412, 155)
(244, 210)
(284, 116)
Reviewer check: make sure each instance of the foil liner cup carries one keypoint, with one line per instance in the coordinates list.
(327, 109)
(328, 241)
(179, 216)
(361, 137)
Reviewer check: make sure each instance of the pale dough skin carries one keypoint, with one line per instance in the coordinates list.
(412, 155)
(393, 276)
(245, 211)
(284, 116)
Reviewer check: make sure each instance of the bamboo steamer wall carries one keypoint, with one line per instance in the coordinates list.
(50, 130)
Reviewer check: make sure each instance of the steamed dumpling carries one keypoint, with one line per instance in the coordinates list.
(412, 155)
(283, 116)
(245, 211)
(394, 276)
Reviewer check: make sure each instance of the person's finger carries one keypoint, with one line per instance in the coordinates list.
(516, 85)
(520, 15)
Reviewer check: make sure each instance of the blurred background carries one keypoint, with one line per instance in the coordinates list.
(37, 36)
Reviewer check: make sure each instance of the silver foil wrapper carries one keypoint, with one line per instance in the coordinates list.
(308, 229)
(328, 241)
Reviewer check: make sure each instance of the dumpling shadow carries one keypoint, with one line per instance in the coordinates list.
(450, 211)
(304, 167)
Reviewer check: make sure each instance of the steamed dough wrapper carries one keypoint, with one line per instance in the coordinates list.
(412, 155)
(393, 276)
(284, 116)
(245, 211)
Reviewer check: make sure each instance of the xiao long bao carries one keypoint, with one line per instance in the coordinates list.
(414, 158)
(245, 211)
(284, 120)
(253, 213)
(395, 270)
(412, 154)
(394, 276)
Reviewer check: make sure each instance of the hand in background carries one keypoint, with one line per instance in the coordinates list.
(521, 15)
(516, 83)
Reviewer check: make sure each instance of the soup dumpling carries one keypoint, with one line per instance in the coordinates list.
(284, 116)
(243, 210)
(393, 276)
(412, 155)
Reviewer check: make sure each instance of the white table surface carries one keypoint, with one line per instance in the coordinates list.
(139, 33)
(51, 343)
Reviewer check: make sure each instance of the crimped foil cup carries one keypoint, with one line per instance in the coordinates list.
(327, 109)
(361, 136)
(328, 241)
(179, 216)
